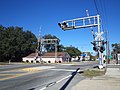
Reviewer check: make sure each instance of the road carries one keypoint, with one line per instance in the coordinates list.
(42, 76)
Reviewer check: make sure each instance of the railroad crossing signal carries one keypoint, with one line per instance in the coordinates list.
(51, 41)
(85, 23)
(99, 35)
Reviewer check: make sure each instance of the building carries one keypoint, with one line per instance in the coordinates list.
(48, 57)
(85, 56)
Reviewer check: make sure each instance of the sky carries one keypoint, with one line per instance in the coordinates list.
(33, 14)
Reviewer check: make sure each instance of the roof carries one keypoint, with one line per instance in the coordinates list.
(32, 55)
(52, 54)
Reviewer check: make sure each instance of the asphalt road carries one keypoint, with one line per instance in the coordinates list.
(42, 77)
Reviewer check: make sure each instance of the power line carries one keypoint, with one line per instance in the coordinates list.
(98, 12)
(96, 7)
(101, 8)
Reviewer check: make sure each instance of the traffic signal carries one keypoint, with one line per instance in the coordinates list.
(54, 41)
(63, 25)
(102, 48)
(102, 42)
(95, 47)
(60, 25)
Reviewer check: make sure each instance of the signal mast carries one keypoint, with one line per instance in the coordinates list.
(88, 22)
(41, 43)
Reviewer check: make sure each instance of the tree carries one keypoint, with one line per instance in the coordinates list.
(61, 48)
(16, 43)
(116, 48)
(73, 51)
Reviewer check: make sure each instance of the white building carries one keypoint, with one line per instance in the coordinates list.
(48, 57)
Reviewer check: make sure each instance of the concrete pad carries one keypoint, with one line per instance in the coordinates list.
(113, 72)
(89, 84)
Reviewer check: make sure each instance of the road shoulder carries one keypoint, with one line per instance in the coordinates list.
(109, 81)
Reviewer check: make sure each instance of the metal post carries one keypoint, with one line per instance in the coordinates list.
(102, 59)
(99, 39)
(41, 50)
(107, 47)
(55, 51)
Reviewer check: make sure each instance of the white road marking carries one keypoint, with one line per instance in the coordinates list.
(43, 88)
(63, 78)
(57, 81)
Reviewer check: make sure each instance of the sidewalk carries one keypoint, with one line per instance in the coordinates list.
(110, 81)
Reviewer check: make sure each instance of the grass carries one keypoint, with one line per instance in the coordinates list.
(93, 73)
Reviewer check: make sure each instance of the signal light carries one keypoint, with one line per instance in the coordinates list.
(59, 24)
(95, 48)
(63, 25)
(102, 48)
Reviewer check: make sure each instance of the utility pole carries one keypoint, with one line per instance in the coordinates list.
(75, 24)
(107, 47)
